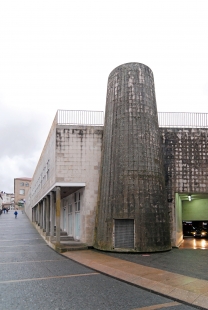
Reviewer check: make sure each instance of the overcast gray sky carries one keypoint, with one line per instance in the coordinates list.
(58, 55)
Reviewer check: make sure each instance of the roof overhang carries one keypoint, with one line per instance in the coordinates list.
(66, 189)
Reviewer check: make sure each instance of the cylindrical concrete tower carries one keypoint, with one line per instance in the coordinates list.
(132, 211)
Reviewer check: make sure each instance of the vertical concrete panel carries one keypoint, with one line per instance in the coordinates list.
(47, 215)
(132, 180)
(52, 214)
(58, 212)
(177, 230)
(44, 214)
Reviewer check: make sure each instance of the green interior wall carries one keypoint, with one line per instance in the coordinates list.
(178, 216)
(195, 210)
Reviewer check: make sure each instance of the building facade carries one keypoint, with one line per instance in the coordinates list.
(21, 189)
(68, 173)
(6, 201)
(123, 185)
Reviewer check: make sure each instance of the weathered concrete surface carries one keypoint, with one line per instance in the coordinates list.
(132, 183)
(185, 152)
(186, 157)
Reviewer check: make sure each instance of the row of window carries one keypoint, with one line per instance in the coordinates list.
(24, 184)
(43, 177)
(77, 207)
(76, 203)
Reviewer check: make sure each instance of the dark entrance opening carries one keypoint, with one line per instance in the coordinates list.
(195, 229)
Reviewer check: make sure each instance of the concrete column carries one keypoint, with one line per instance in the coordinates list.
(52, 214)
(47, 216)
(58, 212)
(39, 211)
(36, 214)
(44, 215)
(32, 214)
(41, 214)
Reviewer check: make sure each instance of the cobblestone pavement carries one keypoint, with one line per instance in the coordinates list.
(35, 277)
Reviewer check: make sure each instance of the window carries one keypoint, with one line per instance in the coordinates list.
(70, 208)
(21, 183)
(77, 201)
(22, 191)
(26, 184)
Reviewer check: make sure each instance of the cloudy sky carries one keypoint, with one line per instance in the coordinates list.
(58, 55)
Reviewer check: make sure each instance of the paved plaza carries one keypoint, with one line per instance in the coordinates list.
(34, 277)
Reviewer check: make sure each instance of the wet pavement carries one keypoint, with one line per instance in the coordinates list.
(194, 243)
(33, 276)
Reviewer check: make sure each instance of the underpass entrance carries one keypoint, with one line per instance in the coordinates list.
(191, 219)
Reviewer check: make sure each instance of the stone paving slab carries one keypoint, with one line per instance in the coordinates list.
(182, 288)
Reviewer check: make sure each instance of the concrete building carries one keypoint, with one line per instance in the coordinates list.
(21, 189)
(67, 176)
(90, 180)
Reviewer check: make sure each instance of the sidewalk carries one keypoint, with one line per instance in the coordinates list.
(33, 276)
(184, 288)
(177, 274)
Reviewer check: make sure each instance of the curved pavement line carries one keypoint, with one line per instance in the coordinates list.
(52, 277)
(181, 288)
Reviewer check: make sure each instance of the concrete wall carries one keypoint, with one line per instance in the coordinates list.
(186, 158)
(71, 155)
(78, 155)
(45, 173)
(185, 152)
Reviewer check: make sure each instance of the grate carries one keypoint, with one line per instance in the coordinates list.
(124, 234)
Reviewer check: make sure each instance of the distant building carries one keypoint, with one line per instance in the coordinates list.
(21, 189)
(6, 200)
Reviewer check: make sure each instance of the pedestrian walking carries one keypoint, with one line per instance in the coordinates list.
(15, 213)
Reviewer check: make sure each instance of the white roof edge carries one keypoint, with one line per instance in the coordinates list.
(64, 184)
(61, 184)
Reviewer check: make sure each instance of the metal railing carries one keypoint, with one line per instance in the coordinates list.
(183, 119)
(165, 119)
(80, 117)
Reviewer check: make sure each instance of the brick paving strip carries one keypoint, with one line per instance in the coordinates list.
(175, 286)
(161, 306)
